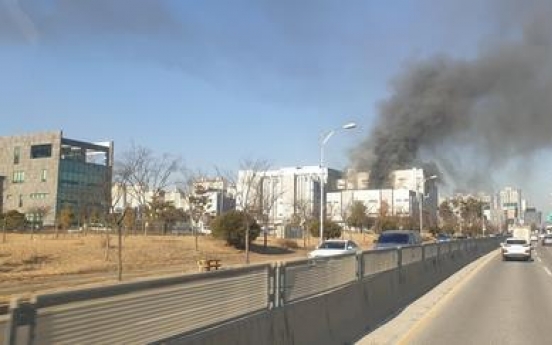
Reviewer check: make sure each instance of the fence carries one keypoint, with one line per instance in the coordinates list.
(152, 310)
(303, 278)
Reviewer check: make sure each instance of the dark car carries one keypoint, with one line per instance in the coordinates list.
(443, 238)
(398, 238)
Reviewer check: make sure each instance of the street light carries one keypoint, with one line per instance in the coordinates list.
(323, 140)
(432, 177)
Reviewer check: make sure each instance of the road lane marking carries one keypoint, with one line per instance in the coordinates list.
(433, 312)
(547, 271)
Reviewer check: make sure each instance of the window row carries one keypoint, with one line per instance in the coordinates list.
(37, 151)
(33, 196)
(39, 196)
(19, 176)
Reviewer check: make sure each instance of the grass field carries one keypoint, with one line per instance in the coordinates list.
(24, 259)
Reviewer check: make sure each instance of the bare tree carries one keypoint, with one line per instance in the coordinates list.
(120, 179)
(248, 192)
(269, 195)
(3, 188)
(304, 211)
(4, 228)
(357, 217)
(39, 213)
(147, 175)
(197, 198)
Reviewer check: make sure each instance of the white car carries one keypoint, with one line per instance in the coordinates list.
(547, 240)
(516, 248)
(334, 247)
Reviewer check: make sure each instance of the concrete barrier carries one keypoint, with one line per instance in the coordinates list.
(317, 315)
(263, 328)
(3, 330)
(345, 310)
(344, 315)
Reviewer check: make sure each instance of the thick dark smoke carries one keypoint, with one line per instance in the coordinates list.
(485, 111)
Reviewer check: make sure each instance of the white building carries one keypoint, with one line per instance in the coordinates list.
(280, 193)
(511, 205)
(127, 196)
(220, 194)
(396, 202)
(416, 180)
(408, 187)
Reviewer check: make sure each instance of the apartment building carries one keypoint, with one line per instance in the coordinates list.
(44, 173)
(511, 205)
(280, 193)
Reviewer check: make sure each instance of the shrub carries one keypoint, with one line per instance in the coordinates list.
(14, 220)
(231, 227)
(331, 229)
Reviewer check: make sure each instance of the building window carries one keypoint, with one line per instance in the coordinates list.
(43, 175)
(41, 151)
(16, 155)
(38, 195)
(20, 200)
(18, 176)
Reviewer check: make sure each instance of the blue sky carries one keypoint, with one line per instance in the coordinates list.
(216, 82)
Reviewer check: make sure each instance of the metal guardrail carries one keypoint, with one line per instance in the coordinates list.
(431, 250)
(444, 248)
(142, 315)
(410, 255)
(151, 310)
(304, 278)
(377, 261)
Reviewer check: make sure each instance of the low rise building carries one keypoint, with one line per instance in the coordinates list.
(44, 173)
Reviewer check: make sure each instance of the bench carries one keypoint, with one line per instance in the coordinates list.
(206, 265)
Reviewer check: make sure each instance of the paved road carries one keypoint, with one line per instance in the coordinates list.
(501, 303)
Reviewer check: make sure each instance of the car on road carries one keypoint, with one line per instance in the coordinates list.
(547, 240)
(334, 247)
(516, 248)
(398, 238)
(443, 238)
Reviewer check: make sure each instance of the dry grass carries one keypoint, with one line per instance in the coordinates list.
(27, 262)
(24, 258)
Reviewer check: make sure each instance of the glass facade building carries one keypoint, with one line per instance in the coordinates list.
(45, 173)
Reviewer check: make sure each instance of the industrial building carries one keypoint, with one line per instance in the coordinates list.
(44, 173)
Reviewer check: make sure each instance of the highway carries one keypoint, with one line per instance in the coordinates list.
(499, 303)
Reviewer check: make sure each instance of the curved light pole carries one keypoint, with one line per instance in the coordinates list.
(323, 140)
(432, 177)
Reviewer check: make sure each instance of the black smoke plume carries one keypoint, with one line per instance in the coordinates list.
(468, 115)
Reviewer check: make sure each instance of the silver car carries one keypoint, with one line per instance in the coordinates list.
(547, 240)
(334, 247)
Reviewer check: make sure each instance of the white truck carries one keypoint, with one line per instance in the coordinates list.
(522, 232)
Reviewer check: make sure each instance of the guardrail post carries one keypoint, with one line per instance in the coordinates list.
(20, 314)
(273, 286)
(399, 264)
(281, 285)
(360, 266)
